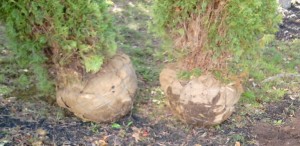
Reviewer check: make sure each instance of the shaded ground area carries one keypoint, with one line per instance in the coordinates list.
(150, 123)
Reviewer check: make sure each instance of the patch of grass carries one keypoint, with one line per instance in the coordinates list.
(238, 137)
(142, 47)
(23, 81)
(278, 58)
(220, 76)
(158, 95)
(59, 114)
(144, 65)
(95, 127)
(2, 78)
(14, 81)
(278, 122)
(187, 75)
(150, 94)
(134, 39)
(248, 97)
(4, 90)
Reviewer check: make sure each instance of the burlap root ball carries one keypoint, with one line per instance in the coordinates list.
(202, 101)
(104, 97)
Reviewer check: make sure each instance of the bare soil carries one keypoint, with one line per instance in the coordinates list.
(290, 28)
(36, 122)
(287, 135)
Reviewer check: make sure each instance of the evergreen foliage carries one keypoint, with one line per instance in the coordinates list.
(208, 32)
(60, 33)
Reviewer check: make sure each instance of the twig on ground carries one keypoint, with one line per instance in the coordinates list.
(283, 75)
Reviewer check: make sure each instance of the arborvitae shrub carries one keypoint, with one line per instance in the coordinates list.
(207, 34)
(54, 34)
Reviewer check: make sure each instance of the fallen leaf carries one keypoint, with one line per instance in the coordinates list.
(41, 132)
(135, 129)
(237, 144)
(105, 138)
(145, 133)
(102, 143)
(136, 136)
(116, 126)
(136, 133)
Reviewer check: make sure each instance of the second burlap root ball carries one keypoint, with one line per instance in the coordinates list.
(202, 101)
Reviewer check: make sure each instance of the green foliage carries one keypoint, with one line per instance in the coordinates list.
(166, 18)
(95, 127)
(251, 23)
(2, 78)
(219, 76)
(240, 28)
(60, 33)
(23, 81)
(116, 126)
(237, 137)
(4, 90)
(141, 59)
(92, 63)
(278, 122)
(248, 97)
(187, 75)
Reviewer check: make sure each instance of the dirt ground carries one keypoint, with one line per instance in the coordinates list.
(151, 123)
(290, 27)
